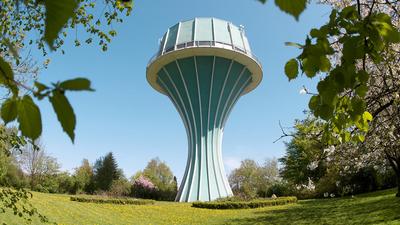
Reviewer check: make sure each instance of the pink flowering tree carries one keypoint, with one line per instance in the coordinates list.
(143, 188)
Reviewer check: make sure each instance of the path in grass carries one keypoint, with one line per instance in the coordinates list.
(379, 207)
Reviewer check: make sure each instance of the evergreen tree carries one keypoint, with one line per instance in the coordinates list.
(106, 171)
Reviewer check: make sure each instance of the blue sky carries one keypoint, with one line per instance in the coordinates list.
(126, 116)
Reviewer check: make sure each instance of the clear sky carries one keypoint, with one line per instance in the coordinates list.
(126, 116)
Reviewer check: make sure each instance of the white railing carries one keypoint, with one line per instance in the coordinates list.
(212, 44)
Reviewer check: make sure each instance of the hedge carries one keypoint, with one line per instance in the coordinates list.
(257, 203)
(121, 201)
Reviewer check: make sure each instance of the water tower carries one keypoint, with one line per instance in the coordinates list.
(204, 65)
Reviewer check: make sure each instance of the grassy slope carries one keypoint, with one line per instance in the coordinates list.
(374, 208)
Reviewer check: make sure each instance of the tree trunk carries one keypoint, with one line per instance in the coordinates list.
(398, 184)
(395, 164)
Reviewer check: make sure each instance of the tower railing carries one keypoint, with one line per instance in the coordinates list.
(211, 44)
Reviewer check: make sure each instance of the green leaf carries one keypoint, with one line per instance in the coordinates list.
(327, 90)
(363, 76)
(64, 112)
(29, 118)
(293, 7)
(357, 105)
(353, 48)
(77, 84)
(325, 111)
(292, 69)
(346, 136)
(5, 69)
(9, 110)
(12, 49)
(361, 137)
(293, 44)
(40, 87)
(7, 76)
(349, 12)
(58, 12)
(362, 90)
(311, 66)
(314, 102)
(367, 116)
(325, 64)
(384, 26)
(314, 33)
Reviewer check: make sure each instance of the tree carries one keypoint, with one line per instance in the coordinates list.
(355, 36)
(14, 198)
(269, 176)
(382, 98)
(13, 176)
(304, 153)
(159, 173)
(105, 172)
(342, 169)
(83, 176)
(4, 162)
(120, 188)
(37, 164)
(65, 183)
(142, 187)
(384, 138)
(357, 56)
(251, 180)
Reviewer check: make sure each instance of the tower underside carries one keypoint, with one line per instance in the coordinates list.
(204, 90)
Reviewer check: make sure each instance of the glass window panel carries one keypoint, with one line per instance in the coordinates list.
(186, 32)
(171, 37)
(236, 37)
(246, 44)
(162, 44)
(221, 31)
(203, 29)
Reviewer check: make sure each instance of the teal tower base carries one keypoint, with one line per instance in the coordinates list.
(204, 78)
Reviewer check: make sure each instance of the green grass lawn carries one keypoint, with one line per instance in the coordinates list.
(373, 208)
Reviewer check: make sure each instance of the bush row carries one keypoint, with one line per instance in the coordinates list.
(257, 203)
(121, 201)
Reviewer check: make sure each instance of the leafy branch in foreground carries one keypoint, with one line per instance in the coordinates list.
(292, 7)
(26, 112)
(341, 93)
(14, 199)
(48, 18)
(21, 20)
(17, 200)
(343, 50)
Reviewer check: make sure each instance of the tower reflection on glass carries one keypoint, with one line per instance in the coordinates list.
(204, 65)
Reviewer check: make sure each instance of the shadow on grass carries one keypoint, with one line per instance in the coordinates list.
(359, 210)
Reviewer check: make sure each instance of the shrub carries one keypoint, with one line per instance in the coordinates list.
(257, 203)
(121, 201)
(279, 189)
(235, 198)
(119, 188)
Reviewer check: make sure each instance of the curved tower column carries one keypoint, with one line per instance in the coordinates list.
(204, 83)
(204, 90)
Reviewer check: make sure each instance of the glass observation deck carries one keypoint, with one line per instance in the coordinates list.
(205, 32)
(204, 37)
